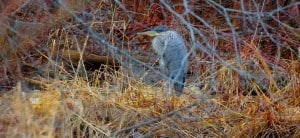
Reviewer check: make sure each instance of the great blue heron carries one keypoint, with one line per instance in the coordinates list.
(170, 47)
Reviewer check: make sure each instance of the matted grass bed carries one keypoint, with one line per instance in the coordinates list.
(75, 109)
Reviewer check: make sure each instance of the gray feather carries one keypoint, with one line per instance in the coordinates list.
(171, 48)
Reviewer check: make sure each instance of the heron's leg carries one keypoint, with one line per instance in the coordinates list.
(166, 83)
(168, 88)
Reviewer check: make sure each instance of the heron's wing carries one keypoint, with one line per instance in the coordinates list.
(176, 67)
(175, 52)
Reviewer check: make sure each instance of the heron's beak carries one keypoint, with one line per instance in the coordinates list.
(149, 33)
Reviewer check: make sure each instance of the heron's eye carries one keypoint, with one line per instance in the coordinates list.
(159, 31)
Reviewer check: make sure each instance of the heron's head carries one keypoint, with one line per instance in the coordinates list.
(155, 31)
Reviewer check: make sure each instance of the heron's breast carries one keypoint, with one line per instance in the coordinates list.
(167, 42)
(158, 46)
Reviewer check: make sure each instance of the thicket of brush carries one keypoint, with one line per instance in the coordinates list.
(78, 69)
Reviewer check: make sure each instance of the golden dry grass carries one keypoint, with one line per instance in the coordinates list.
(75, 108)
(112, 104)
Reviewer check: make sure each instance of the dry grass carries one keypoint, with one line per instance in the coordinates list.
(77, 108)
(71, 101)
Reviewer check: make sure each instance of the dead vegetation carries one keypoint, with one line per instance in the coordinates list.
(77, 69)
